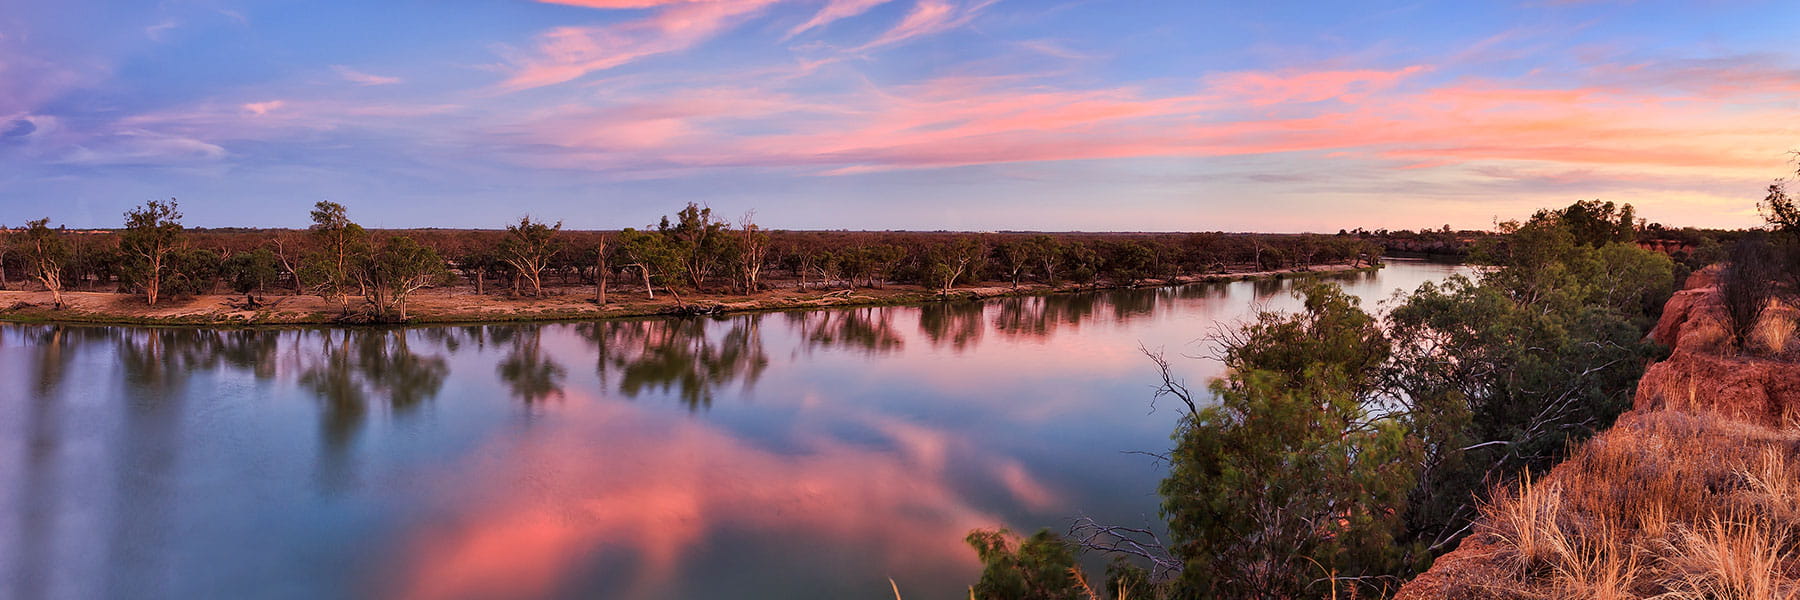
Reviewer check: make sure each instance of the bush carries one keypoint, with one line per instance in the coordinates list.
(1746, 286)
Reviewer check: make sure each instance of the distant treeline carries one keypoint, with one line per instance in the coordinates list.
(692, 251)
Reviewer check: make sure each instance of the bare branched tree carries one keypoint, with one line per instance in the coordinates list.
(1137, 542)
(1746, 286)
(1171, 385)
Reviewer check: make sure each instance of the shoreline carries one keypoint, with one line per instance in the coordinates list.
(214, 311)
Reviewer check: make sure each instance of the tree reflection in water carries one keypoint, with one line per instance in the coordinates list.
(531, 375)
(1041, 316)
(870, 331)
(679, 355)
(956, 324)
(352, 366)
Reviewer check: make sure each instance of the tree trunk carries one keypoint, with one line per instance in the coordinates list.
(648, 291)
(155, 281)
(600, 275)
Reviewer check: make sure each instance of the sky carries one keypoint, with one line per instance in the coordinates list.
(1096, 115)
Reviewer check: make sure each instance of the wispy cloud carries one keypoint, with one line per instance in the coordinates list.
(833, 11)
(929, 17)
(158, 31)
(263, 108)
(567, 53)
(1375, 114)
(361, 78)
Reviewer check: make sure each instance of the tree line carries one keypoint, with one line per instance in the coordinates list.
(373, 273)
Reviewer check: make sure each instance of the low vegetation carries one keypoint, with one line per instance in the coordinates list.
(1665, 505)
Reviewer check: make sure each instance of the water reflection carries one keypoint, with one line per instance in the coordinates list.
(957, 325)
(869, 331)
(690, 358)
(793, 454)
(529, 373)
(346, 368)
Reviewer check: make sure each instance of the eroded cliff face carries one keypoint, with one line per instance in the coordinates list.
(1704, 376)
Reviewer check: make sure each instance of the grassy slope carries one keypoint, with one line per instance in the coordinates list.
(1694, 494)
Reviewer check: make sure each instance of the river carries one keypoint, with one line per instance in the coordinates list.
(804, 454)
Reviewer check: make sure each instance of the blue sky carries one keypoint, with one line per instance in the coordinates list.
(905, 114)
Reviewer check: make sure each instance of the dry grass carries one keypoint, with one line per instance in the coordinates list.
(1665, 505)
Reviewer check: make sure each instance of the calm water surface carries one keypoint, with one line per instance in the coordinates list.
(787, 455)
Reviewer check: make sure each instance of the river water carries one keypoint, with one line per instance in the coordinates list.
(805, 454)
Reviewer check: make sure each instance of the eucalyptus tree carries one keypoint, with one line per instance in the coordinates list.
(339, 244)
(602, 268)
(1015, 258)
(398, 268)
(1783, 216)
(752, 253)
(529, 248)
(1048, 254)
(152, 233)
(45, 252)
(950, 262)
(651, 254)
(5, 251)
(699, 241)
(251, 271)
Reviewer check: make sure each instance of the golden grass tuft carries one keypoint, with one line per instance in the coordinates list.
(1665, 505)
(1729, 559)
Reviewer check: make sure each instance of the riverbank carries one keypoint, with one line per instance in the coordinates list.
(1690, 494)
(458, 305)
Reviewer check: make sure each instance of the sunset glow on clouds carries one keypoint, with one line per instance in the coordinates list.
(922, 114)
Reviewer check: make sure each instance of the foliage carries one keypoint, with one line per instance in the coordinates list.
(250, 271)
(1503, 372)
(1783, 217)
(400, 267)
(1288, 480)
(700, 242)
(651, 255)
(950, 262)
(528, 249)
(1746, 286)
(332, 268)
(1041, 567)
(191, 272)
(45, 253)
(152, 232)
(1127, 262)
(1593, 222)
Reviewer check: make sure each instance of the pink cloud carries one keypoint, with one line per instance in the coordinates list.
(263, 108)
(835, 10)
(567, 53)
(896, 505)
(926, 18)
(1260, 88)
(956, 121)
